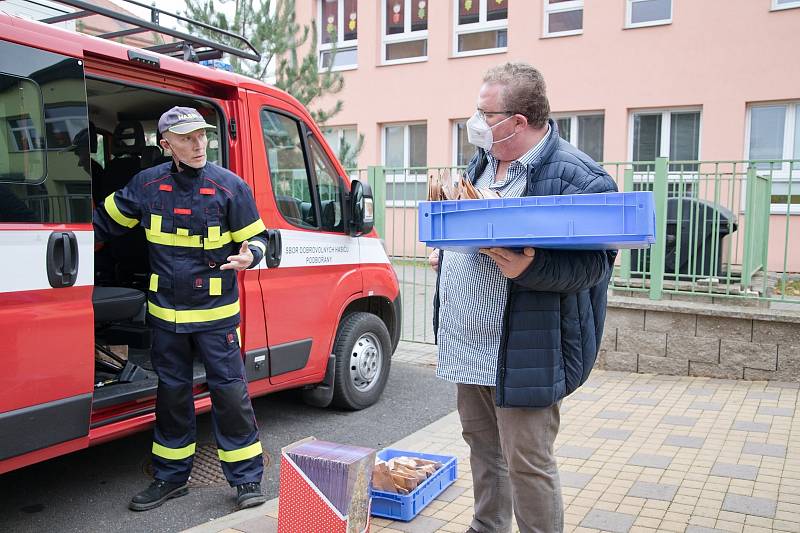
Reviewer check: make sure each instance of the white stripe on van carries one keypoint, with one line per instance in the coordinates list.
(23, 266)
(306, 248)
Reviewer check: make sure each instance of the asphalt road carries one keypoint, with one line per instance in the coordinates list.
(89, 491)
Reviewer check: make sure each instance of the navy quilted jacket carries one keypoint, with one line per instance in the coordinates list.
(553, 321)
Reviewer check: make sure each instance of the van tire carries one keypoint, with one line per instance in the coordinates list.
(363, 352)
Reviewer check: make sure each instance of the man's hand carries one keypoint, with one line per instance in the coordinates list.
(510, 263)
(433, 260)
(241, 261)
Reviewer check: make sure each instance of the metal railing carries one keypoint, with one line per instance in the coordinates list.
(726, 231)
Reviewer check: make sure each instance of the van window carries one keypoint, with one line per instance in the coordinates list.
(328, 187)
(287, 168)
(45, 160)
(22, 144)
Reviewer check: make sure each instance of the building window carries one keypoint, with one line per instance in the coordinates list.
(648, 13)
(481, 27)
(674, 134)
(563, 17)
(784, 4)
(23, 144)
(338, 29)
(344, 142)
(405, 31)
(462, 149)
(773, 133)
(340, 137)
(405, 156)
(584, 131)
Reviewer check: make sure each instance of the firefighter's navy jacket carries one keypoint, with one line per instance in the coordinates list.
(193, 220)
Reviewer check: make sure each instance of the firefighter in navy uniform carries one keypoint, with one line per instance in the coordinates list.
(202, 227)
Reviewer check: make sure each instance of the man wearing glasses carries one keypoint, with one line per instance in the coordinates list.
(519, 330)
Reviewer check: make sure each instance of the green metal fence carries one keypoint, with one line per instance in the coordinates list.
(726, 231)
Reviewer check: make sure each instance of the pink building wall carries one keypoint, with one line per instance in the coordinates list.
(716, 55)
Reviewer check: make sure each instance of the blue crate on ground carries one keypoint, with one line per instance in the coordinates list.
(406, 506)
(572, 221)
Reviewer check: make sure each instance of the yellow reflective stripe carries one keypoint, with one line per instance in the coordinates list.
(215, 286)
(190, 316)
(224, 239)
(187, 241)
(241, 454)
(114, 212)
(154, 282)
(171, 239)
(249, 231)
(155, 224)
(213, 233)
(182, 232)
(239, 334)
(176, 454)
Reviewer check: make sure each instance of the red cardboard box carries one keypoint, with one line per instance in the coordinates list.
(303, 508)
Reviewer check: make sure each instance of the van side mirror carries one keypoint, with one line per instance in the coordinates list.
(362, 208)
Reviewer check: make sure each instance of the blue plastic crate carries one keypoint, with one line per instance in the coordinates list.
(571, 221)
(406, 506)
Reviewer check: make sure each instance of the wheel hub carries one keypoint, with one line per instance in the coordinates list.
(365, 362)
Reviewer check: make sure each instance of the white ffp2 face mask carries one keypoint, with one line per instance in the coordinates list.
(479, 133)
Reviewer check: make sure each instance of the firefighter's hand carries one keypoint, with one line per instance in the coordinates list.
(433, 260)
(510, 263)
(241, 261)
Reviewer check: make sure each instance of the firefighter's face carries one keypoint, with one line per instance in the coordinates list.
(188, 149)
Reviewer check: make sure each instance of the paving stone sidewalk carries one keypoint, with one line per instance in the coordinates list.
(636, 452)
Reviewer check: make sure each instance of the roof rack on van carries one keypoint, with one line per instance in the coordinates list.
(182, 45)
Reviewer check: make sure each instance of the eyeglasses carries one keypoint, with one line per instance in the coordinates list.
(483, 114)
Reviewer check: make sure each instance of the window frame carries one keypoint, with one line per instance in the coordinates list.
(780, 7)
(455, 124)
(339, 131)
(688, 178)
(340, 43)
(659, 22)
(783, 175)
(406, 36)
(24, 129)
(573, 124)
(416, 177)
(72, 123)
(562, 7)
(483, 25)
(340, 135)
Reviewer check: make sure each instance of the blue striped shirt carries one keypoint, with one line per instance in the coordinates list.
(473, 293)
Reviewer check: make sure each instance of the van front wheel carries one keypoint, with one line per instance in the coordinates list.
(363, 352)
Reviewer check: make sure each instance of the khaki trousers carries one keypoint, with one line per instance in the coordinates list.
(513, 465)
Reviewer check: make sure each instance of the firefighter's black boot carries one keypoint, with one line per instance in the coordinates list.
(157, 493)
(249, 495)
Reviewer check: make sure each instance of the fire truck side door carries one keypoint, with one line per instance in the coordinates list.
(47, 243)
(319, 263)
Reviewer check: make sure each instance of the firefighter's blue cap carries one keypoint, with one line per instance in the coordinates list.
(182, 120)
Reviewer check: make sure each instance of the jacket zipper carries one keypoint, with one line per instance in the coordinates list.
(502, 356)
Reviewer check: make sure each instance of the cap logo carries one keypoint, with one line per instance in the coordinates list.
(182, 120)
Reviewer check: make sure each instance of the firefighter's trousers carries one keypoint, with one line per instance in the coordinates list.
(232, 415)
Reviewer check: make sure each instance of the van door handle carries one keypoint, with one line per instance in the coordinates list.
(62, 259)
(274, 248)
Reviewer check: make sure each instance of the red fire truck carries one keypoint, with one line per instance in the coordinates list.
(78, 116)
